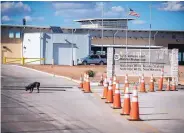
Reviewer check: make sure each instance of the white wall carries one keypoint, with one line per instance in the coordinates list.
(31, 42)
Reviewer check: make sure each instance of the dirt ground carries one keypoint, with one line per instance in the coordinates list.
(74, 72)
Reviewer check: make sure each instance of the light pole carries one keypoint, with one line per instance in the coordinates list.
(72, 48)
(150, 35)
(72, 44)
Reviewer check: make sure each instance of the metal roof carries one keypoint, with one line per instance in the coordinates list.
(106, 19)
(122, 29)
(22, 26)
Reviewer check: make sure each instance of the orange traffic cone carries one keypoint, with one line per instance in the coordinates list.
(87, 89)
(110, 93)
(160, 83)
(142, 85)
(134, 113)
(126, 104)
(117, 99)
(101, 81)
(114, 84)
(151, 84)
(126, 82)
(174, 85)
(105, 89)
(168, 85)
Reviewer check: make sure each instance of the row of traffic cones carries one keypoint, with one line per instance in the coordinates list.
(129, 108)
(112, 94)
(151, 84)
(142, 83)
(142, 87)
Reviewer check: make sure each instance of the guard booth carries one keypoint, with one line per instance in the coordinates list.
(137, 61)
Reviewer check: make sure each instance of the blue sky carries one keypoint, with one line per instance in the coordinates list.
(165, 15)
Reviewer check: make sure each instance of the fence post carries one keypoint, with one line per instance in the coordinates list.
(23, 60)
(4, 60)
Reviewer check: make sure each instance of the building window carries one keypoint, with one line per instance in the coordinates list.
(17, 35)
(179, 56)
(11, 34)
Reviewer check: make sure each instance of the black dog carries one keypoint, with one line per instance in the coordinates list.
(32, 86)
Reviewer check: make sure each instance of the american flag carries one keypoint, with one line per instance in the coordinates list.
(133, 13)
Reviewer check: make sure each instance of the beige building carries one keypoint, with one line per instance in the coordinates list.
(11, 39)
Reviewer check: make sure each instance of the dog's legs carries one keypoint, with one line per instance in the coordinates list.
(38, 86)
(31, 90)
(38, 89)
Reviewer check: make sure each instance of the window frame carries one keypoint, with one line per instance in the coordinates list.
(10, 32)
(16, 35)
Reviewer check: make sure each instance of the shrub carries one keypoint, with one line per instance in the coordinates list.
(90, 73)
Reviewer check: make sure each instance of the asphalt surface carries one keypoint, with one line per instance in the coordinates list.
(60, 107)
(160, 111)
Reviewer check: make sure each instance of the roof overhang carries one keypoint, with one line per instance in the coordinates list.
(104, 19)
(128, 46)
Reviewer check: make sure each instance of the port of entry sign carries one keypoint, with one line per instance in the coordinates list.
(134, 62)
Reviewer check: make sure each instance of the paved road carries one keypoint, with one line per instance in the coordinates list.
(54, 110)
(161, 112)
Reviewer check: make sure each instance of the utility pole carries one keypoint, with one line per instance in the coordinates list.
(72, 47)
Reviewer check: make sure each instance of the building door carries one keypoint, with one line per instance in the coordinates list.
(62, 54)
(180, 48)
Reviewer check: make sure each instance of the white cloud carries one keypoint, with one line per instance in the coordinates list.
(5, 18)
(30, 19)
(67, 5)
(172, 6)
(78, 10)
(118, 9)
(14, 6)
(138, 22)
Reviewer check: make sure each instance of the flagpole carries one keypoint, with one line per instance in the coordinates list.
(150, 34)
(127, 30)
(126, 37)
(102, 28)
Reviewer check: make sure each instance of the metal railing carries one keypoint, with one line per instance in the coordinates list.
(22, 61)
